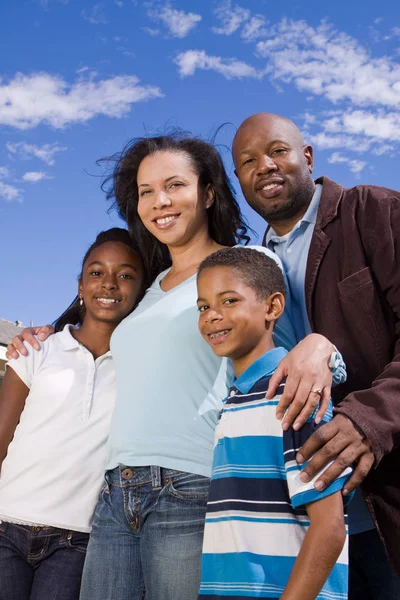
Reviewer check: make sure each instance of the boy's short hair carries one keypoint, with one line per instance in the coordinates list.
(253, 267)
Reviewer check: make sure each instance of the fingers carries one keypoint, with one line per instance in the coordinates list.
(287, 396)
(43, 333)
(324, 404)
(310, 407)
(342, 462)
(361, 470)
(319, 439)
(11, 352)
(302, 400)
(275, 381)
(16, 347)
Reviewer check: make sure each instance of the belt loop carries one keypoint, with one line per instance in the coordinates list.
(155, 477)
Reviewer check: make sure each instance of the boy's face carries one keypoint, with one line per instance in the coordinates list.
(231, 317)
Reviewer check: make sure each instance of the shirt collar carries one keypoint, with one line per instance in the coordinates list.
(262, 367)
(66, 339)
(309, 217)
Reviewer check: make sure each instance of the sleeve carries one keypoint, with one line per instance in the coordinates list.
(303, 493)
(284, 331)
(376, 410)
(26, 366)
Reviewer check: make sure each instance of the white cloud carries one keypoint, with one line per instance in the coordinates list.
(41, 98)
(231, 17)
(191, 60)
(4, 173)
(118, 3)
(177, 22)
(96, 15)
(355, 166)
(9, 192)
(331, 64)
(151, 31)
(34, 176)
(254, 29)
(45, 153)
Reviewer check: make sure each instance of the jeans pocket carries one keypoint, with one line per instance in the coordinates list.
(188, 486)
(77, 540)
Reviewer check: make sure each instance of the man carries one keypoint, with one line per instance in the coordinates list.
(340, 250)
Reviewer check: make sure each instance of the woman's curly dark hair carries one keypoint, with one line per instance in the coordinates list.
(226, 224)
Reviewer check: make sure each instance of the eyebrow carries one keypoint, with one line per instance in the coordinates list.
(246, 151)
(168, 179)
(124, 265)
(220, 294)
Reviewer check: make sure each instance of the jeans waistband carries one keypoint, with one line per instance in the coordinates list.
(123, 476)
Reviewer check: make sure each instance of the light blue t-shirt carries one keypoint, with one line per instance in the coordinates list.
(170, 384)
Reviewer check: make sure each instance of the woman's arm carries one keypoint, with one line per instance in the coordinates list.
(13, 394)
(320, 549)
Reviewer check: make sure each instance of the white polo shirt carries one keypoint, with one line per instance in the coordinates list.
(54, 467)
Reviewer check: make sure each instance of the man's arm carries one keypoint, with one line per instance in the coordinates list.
(13, 394)
(320, 549)
(367, 426)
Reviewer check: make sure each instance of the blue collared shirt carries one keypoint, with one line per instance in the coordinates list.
(292, 249)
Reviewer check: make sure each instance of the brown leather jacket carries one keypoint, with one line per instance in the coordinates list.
(352, 289)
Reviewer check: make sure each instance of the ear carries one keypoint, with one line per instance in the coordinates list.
(209, 196)
(309, 156)
(275, 305)
(80, 289)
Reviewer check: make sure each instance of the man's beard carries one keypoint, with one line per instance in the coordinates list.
(294, 206)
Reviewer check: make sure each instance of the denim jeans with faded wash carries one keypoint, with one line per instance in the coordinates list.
(147, 536)
(40, 563)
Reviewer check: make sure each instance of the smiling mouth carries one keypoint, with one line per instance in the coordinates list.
(164, 222)
(218, 336)
(108, 301)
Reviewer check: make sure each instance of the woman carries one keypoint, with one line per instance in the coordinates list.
(55, 412)
(147, 532)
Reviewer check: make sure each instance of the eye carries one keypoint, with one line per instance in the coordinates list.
(203, 308)
(230, 301)
(176, 184)
(126, 276)
(144, 193)
(279, 151)
(247, 161)
(95, 273)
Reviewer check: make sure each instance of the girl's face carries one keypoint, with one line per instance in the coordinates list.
(111, 281)
(172, 205)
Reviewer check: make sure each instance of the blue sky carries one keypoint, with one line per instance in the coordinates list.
(79, 79)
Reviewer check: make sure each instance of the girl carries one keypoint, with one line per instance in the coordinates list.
(55, 411)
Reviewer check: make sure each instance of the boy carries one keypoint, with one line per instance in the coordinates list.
(267, 534)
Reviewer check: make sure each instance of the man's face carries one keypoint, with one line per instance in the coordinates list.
(273, 167)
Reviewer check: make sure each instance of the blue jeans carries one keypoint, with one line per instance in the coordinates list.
(147, 536)
(370, 575)
(40, 563)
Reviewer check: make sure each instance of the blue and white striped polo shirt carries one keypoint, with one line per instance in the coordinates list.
(256, 516)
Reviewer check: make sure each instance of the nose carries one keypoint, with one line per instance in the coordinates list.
(266, 164)
(109, 282)
(162, 200)
(212, 316)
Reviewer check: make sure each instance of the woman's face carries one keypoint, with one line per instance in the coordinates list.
(111, 281)
(172, 205)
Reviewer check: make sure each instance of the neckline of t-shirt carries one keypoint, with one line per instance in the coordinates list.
(160, 277)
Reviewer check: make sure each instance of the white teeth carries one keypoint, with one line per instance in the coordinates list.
(218, 334)
(165, 220)
(270, 186)
(108, 300)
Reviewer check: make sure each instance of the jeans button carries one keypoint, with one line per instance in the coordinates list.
(69, 537)
(126, 473)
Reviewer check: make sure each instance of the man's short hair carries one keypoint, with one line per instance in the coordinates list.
(253, 267)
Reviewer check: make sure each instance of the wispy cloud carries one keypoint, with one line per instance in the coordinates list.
(34, 176)
(95, 15)
(329, 63)
(355, 166)
(177, 22)
(46, 152)
(10, 192)
(190, 61)
(231, 16)
(254, 29)
(4, 172)
(41, 98)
